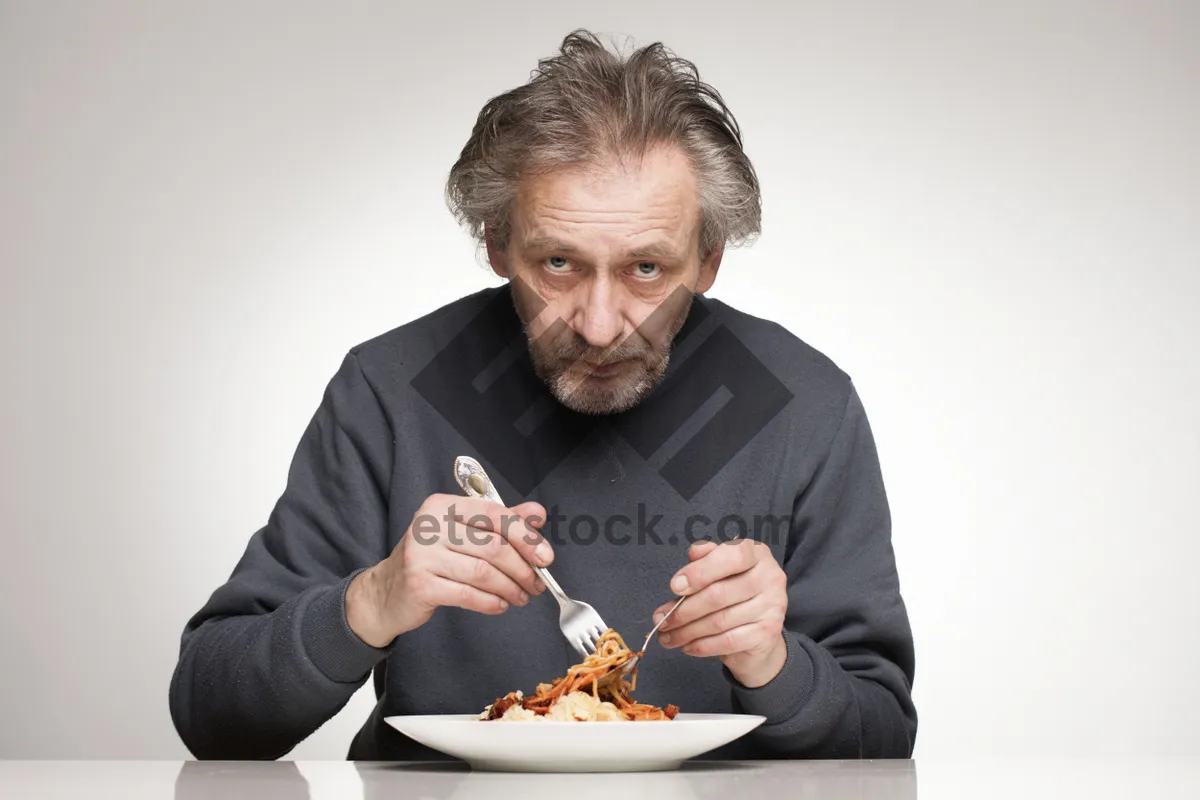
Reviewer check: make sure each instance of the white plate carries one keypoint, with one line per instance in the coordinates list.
(550, 746)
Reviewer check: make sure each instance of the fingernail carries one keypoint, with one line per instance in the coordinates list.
(659, 617)
(544, 553)
(538, 585)
(664, 638)
(679, 584)
(524, 598)
(504, 605)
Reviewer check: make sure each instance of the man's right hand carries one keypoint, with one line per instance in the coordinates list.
(458, 551)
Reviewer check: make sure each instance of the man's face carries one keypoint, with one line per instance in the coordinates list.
(610, 254)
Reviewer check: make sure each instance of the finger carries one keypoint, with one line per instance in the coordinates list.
(734, 640)
(714, 597)
(533, 513)
(492, 548)
(525, 533)
(510, 561)
(722, 561)
(462, 508)
(445, 592)
(756, 609)
(481, 574)
(700, 549)
(509, 523)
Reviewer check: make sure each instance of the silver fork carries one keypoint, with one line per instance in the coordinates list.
(578, 621)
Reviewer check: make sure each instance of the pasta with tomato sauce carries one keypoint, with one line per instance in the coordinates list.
(593, 691)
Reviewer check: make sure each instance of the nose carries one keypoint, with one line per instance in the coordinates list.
(598, 317)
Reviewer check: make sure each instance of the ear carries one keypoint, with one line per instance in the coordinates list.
(496, 257)
(708, 270)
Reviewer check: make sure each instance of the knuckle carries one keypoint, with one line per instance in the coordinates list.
(480, 570)
(417, 583)
(686, 630)
(503, 525)
(526, 575)
(418, 562)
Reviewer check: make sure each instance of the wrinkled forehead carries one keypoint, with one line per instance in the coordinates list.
(651, 202)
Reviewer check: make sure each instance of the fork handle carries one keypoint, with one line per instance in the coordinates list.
(552, 585)
(490, 493)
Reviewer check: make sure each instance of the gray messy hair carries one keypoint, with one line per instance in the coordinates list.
(586, 105)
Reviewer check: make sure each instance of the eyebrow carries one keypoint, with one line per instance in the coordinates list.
(548, 243)
(653, 250)
(648, 251)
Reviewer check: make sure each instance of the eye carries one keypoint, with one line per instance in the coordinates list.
(648, 269)
(557, 264)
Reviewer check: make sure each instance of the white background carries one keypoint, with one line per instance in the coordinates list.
(986, 214)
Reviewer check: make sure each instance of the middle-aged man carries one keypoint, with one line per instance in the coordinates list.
(652, 442)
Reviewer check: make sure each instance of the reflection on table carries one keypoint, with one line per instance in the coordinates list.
(896, 780)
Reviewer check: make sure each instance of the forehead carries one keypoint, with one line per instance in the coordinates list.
(654, 196)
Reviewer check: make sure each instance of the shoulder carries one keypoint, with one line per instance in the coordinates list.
(810, 375)
(402, 351)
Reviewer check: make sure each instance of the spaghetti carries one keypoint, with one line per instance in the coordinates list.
(595, 690)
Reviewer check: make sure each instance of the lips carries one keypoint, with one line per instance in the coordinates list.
(603, 369)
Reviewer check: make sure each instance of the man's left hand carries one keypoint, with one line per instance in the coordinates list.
(737, 602)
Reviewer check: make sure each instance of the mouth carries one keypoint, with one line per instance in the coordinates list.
(603, 370)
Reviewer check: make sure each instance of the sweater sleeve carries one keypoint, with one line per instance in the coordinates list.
(270, 656)
(845, 688)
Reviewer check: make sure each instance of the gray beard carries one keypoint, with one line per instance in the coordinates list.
(598, 396)
(577, 395)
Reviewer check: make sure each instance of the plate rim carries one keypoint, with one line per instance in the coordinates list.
(691, 717)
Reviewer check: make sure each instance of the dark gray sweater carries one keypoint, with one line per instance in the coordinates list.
(751, 433)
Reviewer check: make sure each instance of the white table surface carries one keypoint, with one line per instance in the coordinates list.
(1140, 778)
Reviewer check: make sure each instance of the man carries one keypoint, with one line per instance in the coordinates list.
(653, 442)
